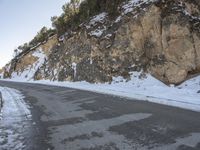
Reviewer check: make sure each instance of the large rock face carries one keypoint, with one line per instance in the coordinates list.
(160, 37)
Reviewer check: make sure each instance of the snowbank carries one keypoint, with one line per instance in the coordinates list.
(186, 96)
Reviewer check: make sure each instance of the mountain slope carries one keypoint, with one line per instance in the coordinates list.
(161, 37)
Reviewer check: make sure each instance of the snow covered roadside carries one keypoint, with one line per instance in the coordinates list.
(186, 96)
(14, 104)
(14, 120)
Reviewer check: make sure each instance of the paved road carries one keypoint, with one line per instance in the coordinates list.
(70, 119)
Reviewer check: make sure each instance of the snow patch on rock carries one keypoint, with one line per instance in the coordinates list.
(29, 72)
(129, 7)
(98, 19)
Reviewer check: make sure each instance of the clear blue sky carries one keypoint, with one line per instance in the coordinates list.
(20, 20)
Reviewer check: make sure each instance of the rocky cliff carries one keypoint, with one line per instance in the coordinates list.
(161, 37)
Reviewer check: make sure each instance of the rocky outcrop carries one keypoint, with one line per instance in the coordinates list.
(159, 37)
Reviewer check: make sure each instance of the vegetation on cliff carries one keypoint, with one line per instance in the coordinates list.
(74, 13)
(97, 40)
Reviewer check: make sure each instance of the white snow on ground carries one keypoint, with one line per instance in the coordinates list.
(29, 72)
(148, 89)
(12, 101)
(15, 117)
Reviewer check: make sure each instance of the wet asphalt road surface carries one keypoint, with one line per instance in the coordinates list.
(71, 119)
